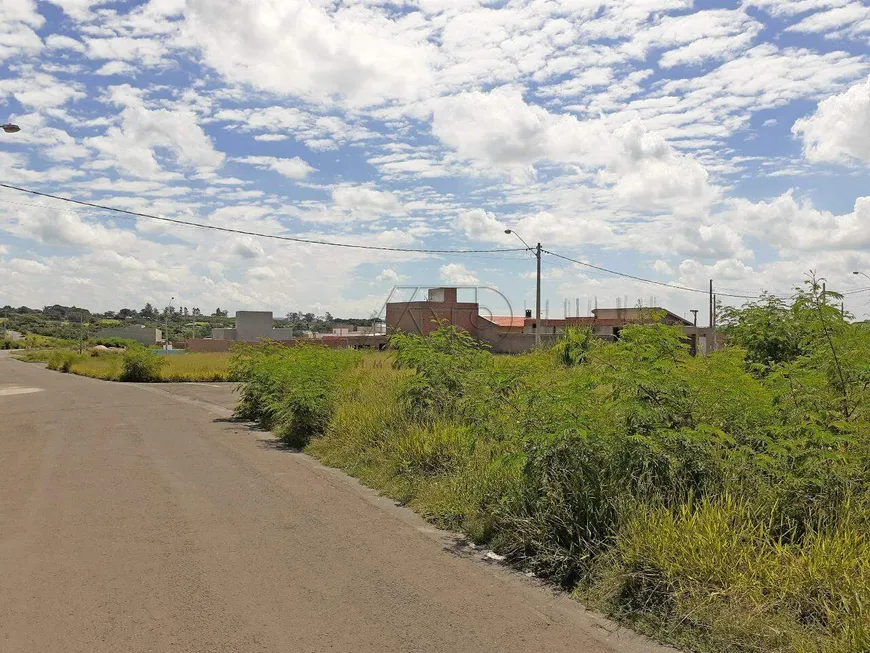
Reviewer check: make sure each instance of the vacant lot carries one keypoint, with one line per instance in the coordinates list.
(720, 502)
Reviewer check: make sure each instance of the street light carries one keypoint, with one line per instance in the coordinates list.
(166, 335)
(861, 273)
(537, 251)
(9, 128)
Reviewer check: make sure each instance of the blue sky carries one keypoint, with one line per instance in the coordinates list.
(667, 139)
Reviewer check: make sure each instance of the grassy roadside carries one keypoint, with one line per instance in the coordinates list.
(186, 367)
(706, 505)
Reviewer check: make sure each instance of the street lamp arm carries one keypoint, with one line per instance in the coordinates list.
(511, 231)
(864, 274)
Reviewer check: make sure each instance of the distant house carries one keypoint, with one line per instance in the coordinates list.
(139, 333)
(252, 326)
(514, 333)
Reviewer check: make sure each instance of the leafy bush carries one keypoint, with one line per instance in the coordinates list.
(141, 365)
(35, 341)
(575, 346)
(11, 344)
(63, 360)
(441, 363)
(291, 389)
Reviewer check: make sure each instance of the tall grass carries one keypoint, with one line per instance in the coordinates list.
(717, 507)
(187, 367)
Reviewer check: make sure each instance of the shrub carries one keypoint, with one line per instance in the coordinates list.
(291, 389)
(574, 347)
(441, 363)
(141, 365)
(63, 360)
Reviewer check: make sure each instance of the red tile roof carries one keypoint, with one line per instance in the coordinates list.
(508, 321)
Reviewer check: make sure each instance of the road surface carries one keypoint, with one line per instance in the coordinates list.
(142, 519)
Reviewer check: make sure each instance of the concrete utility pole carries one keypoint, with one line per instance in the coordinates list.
(711, 304)
(537, 252)
(538, 300)
(166, 335)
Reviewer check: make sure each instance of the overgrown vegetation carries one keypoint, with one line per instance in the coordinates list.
(141, 365)
(290, 389)
(719, 502)
(110, 365)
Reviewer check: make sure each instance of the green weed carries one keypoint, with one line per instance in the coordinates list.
(719, 502)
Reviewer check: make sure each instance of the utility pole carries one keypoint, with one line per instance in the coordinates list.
(537, 252)
(713, 327)
(711, 304)
(538, 300)
(694, 313)
(166, 335)
(81, 332)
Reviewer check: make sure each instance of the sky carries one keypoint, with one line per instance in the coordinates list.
(671, 140)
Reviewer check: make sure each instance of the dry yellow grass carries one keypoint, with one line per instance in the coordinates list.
(179, 367)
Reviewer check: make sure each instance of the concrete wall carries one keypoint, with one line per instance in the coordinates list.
(253, 325)
(501, 342)
(223, 334)
(702, 339)
(210, 345)
(635, 314)
(280, 334)
(146, 336)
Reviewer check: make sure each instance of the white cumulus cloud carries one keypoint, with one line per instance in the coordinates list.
(457, 273)
(132, 146)
(357, 55)
(839, 130)
(292, 168)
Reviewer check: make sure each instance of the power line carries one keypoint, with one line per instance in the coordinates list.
(643, 280)
(296, 239)
(492, 257)
(312, 241)
(676, 286)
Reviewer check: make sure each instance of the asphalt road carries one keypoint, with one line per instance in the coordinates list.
(142, 519)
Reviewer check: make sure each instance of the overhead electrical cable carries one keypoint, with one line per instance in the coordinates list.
(383, 248)
(295, 239)
(644, 280)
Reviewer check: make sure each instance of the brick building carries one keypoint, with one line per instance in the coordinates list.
(514, 334)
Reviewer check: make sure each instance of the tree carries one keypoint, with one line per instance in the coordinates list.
(767, 328)
(148, 312)
(197, 312)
